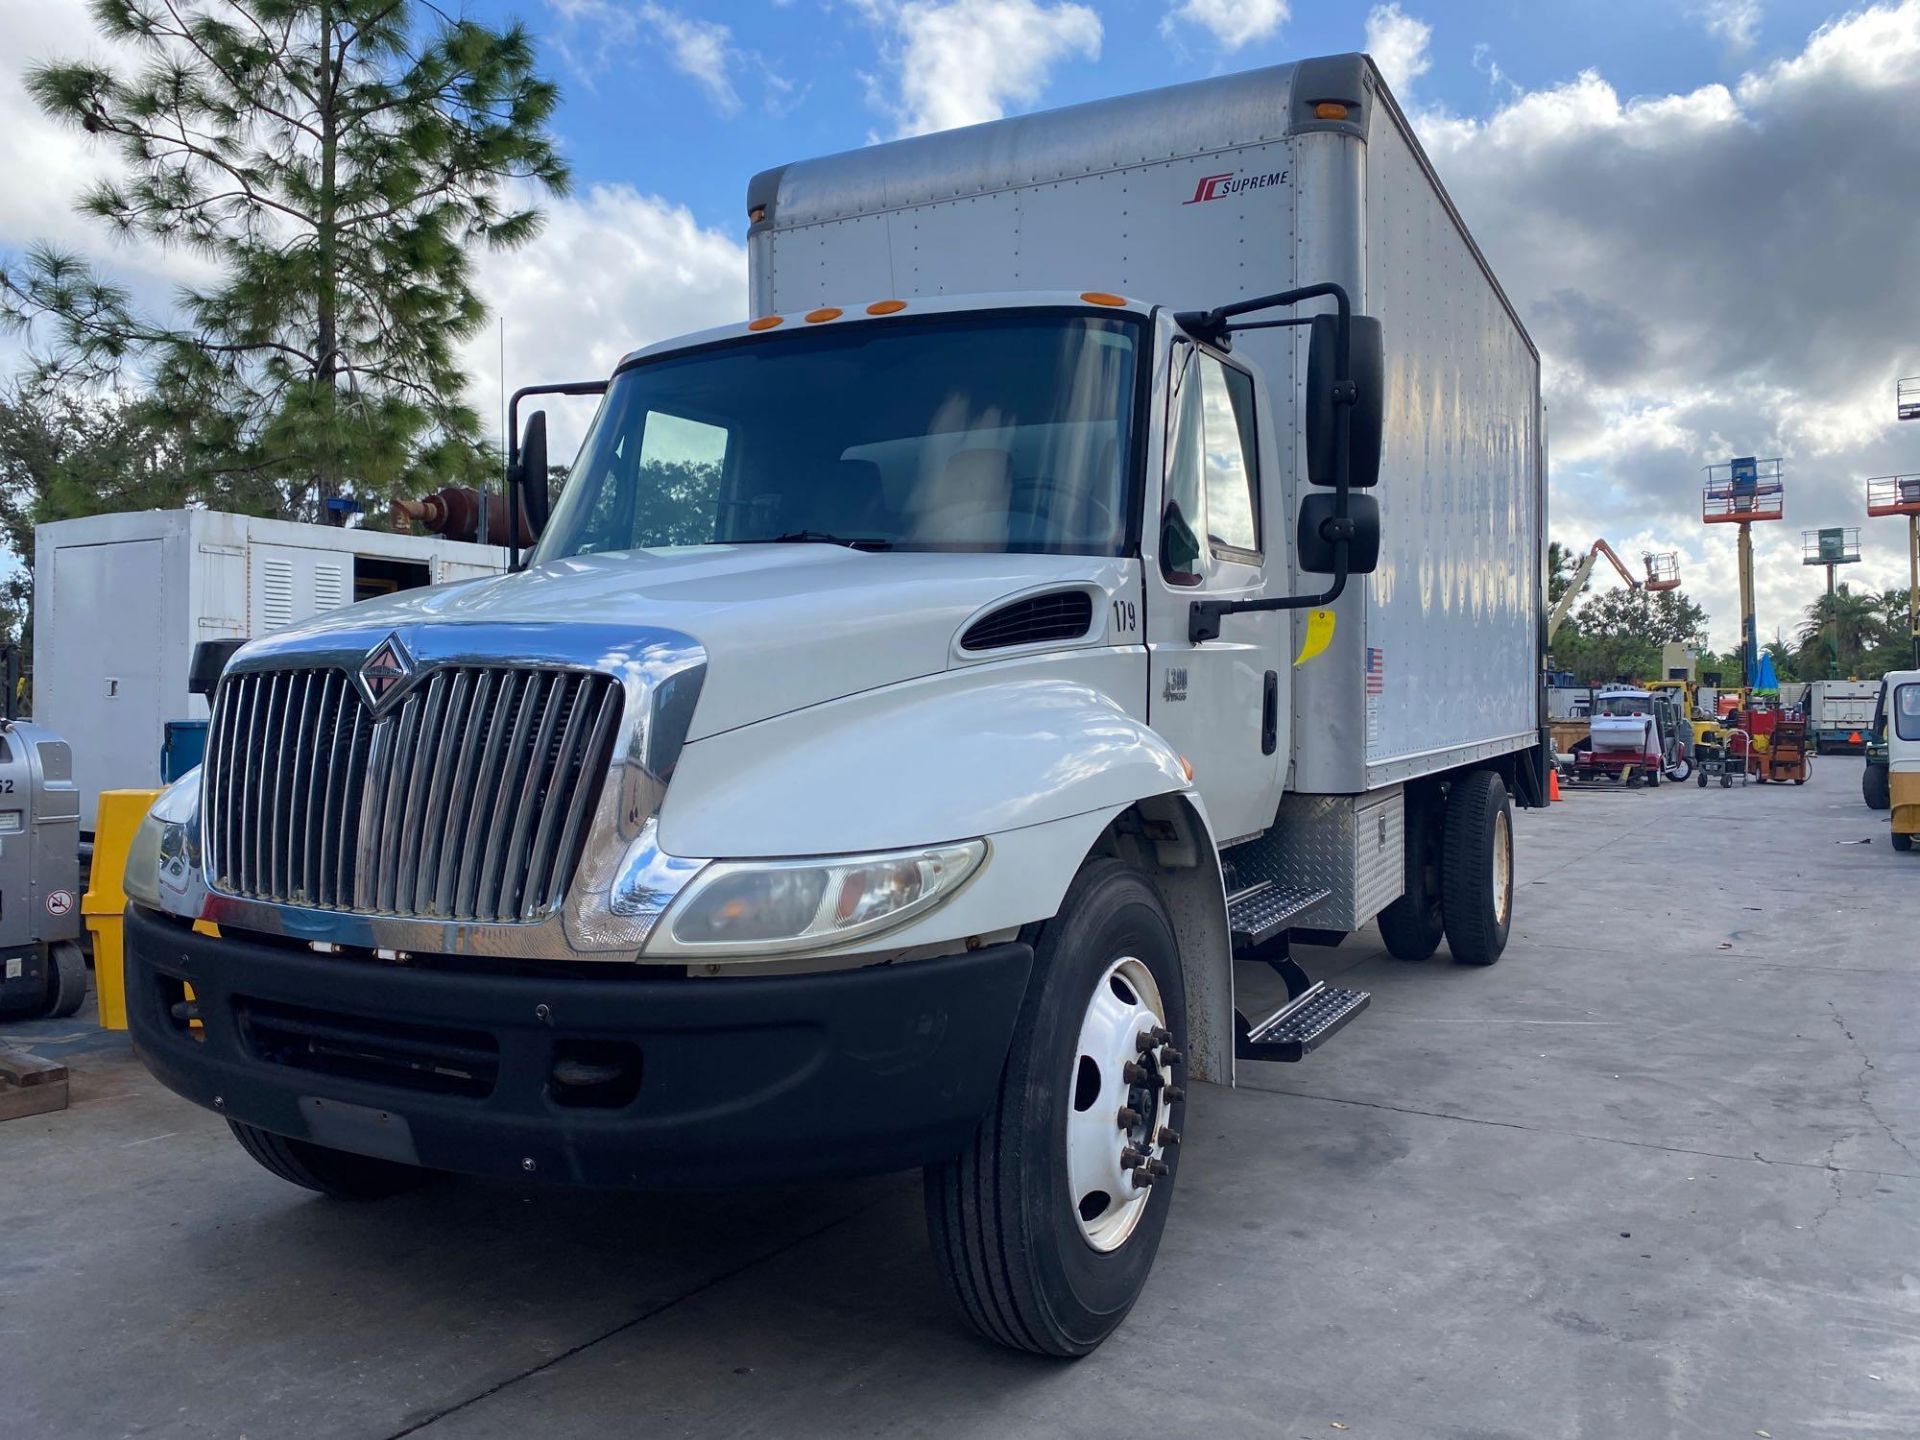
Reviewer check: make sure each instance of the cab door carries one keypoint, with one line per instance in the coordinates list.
(1222, 704)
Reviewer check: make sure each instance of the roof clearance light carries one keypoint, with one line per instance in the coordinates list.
(1330, 110)
(886, 307)
(765, 322)
(826, 312)
(1102, 297)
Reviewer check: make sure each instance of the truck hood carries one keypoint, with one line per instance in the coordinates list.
(784, 626)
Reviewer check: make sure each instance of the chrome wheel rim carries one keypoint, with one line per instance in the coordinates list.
(1502, 865)
(1117, 1104)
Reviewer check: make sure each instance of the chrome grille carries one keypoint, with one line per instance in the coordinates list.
(467, 800)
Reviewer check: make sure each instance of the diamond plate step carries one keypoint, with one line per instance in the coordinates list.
(1300, 1027)
(1260, 912)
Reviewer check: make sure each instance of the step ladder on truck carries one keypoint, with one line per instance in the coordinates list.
(1001, 668)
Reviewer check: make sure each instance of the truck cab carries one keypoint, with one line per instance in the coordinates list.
(1902, 702)
(916, 706)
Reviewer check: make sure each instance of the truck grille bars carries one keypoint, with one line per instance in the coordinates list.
(467, 799)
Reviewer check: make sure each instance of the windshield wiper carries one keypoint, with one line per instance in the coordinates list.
(820, 537)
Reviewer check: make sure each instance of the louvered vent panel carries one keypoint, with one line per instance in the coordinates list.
(1062, 615)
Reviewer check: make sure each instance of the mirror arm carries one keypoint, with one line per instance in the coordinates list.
(516, 560)
(1203, 617)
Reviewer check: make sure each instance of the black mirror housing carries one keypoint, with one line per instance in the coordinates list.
(210, 657)
(1367, 367)
(1314, 547)
(529, 472)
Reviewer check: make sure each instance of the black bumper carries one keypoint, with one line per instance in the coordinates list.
(661, 1082)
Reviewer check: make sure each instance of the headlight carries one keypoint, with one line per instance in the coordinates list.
(777, 906)
(165, 850)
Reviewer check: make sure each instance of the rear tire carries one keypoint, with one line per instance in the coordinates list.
(1414, 925)
(1030, 1267)
(67, 980)
(1682, 771)
(1477, 869)
(339, 1173)
(1701, 779)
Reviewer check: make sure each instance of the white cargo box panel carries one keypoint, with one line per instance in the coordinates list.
(119, 602)
(1200, 194)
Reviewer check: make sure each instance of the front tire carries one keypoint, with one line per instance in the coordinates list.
(1681, 771)
(67, 984)
(1902, 841)
(339, 1173)
(1044, 1240)
(1477, 875)
(1876, 787)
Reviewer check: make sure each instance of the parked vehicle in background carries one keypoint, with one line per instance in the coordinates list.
(1635, 734)
(1874, 787)
(919, 698)
(1839, 714)
(1903, 757)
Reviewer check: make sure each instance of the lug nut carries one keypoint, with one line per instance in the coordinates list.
(1131, 1158)
(1175, 1094)
(1170, 1056)
(1169, 1135)
(1129, 1117)
(1142, 1177)
(1155, 1168)
(1134, 1074)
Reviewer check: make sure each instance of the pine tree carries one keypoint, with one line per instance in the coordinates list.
(338, 160)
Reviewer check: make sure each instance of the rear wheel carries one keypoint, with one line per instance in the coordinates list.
(1045, 1226)
(338, 1173)
(1681, 770)
(67, 984)
(1413, 926)
(1701, 779)
(1477, 869)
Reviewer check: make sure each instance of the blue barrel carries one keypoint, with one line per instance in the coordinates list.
(184, 747)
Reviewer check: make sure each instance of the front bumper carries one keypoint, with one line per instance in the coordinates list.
(631, 1081)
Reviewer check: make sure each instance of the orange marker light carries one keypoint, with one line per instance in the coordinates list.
(829, 312)
(1101, 297)
(1186, 767)
(886, 307)
(765, 322)
(1329, 110)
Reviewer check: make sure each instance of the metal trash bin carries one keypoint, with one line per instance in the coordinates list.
(43, 970)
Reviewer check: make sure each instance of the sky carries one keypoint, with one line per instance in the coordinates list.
(1706, 211)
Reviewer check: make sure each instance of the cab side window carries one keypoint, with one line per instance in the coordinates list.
(1233, 526)
(1906, 712)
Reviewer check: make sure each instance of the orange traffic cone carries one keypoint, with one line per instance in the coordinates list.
(1553, 784)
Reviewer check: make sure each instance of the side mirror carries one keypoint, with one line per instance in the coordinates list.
(210, 657)
(1313, 547)
(528, 473)
(1367, 367)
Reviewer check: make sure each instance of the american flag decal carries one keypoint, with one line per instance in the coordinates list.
(1376, 670)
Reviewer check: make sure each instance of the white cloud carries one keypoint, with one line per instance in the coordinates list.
(1233, 23)
(613, 270)
(1734, 21)
(1398, 43)
(1713, 273)
(961, 62)
(702, 50)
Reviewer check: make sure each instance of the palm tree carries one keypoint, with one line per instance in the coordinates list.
(1840, 631)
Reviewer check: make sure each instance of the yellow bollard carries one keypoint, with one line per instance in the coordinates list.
(105, 903)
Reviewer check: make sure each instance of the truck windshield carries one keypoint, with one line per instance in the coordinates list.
(988, 433)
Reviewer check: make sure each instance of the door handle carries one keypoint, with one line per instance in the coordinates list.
(1270, 715)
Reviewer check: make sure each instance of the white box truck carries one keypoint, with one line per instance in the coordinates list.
(921, 697)
(119, 602)
(1840, 714)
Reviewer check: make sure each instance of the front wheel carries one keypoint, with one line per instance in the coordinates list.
(1701, 779)
(1477, 874)
(1680, 771)
(67, 990)
(1902, 841)
(1875, 788)
(1045, 1226)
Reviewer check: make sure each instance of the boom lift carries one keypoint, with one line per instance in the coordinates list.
(1663, 573)
(1739, 492)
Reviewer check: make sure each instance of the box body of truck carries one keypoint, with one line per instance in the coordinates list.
(119, 602)
(1840, 714)
(1112, 549)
